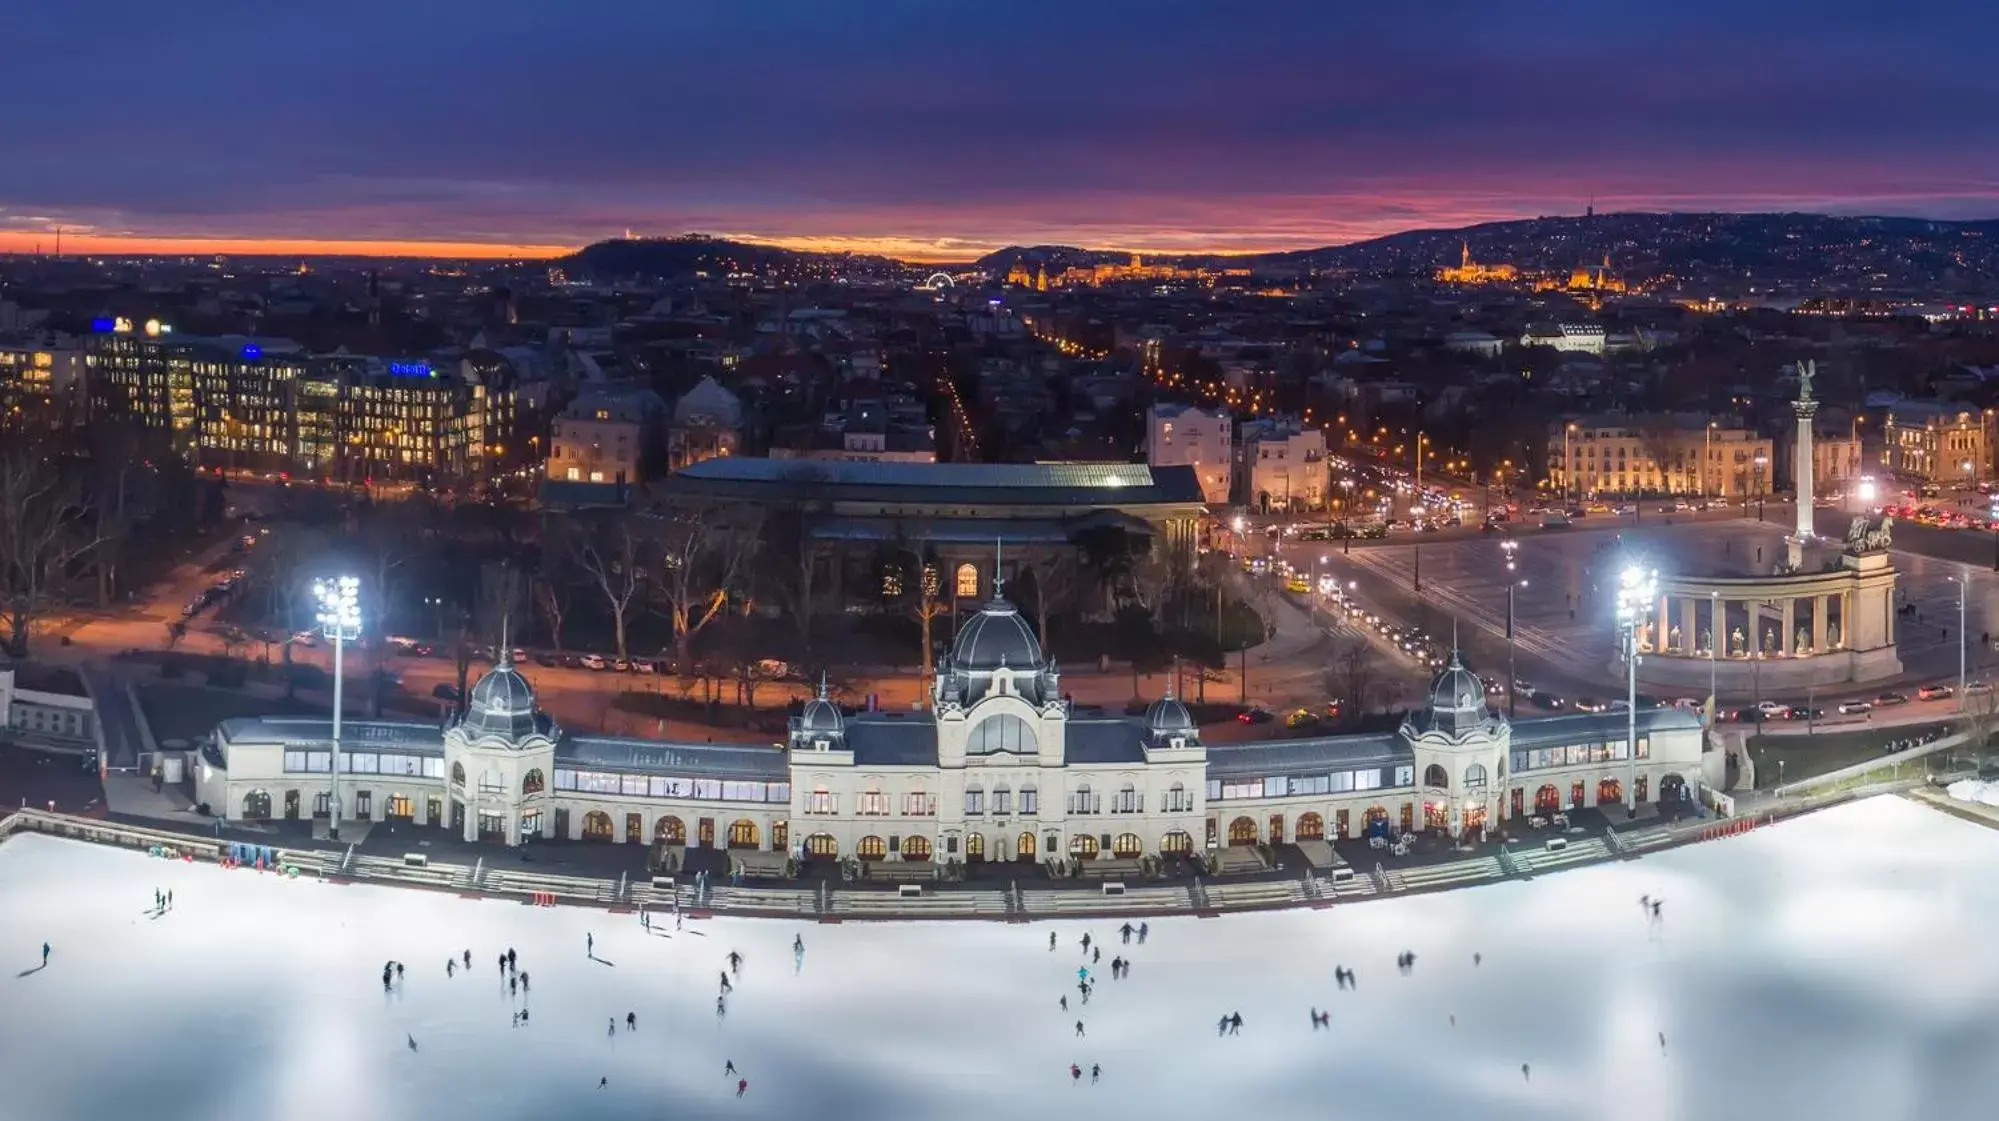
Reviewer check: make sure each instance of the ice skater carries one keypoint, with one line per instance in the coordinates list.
(603, 1082)
(1143, 930)
(1051, 941)
(742, 1086)
(726, 986)
(514, 985)
(1079, 1029)
(735, 963)
(399, 971)
(613, 1028)
(1314, 1014)
(45, 955)
(517, 1019)
(1476, 959)
(631, 1021)
(468, 959)
(1097, 955)
(721, 1006)
(1082, 973)
(1662, 1043)
(1075, 1073)
(1656, 904)
(589, 944)
(1454, 1019)
(1086, 943)
(645, 920)
(798, 945)
(1222, 1025)
(451, 967)
(1064, 1002)
(729, 1069)
(1526, 1075)
(524, 980)
(1096, 1072)
(1235, 1023)
(412, 1040)
(512, 959)
(524, 1015)
(503, 964)
(1124, 932)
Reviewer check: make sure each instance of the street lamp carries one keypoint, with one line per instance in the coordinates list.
(339, 619)
(1346, 538)
(1714, 632)
(1963, 581)
(1637, 595)
(1510, 546)
(1762, 461)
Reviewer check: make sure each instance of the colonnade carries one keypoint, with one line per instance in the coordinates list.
(1803, 625)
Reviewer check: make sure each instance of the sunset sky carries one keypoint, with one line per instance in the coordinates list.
(945, 128)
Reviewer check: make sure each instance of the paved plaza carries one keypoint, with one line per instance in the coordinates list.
(1563, 615)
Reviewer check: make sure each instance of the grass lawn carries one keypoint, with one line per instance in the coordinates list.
(1803, 757)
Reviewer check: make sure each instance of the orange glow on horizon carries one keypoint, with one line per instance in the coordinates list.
(84, 245)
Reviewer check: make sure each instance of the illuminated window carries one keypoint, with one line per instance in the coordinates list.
(968, 581)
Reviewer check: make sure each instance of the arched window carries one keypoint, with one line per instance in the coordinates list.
(968, 581)
(257, 805)
(531, 783)
(1002, 732)
(1177, 800)
(1082, 801)
(1475, 777)
(1126, 845)
(1435, 775)
(871, 848)
(1127, 801)
(743, 834)
(670, 829)
(916, 848)
(457, 774)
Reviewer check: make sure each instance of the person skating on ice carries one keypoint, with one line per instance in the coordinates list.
(1096, 1071)
(1075, 1073)
(742, 1086)
(468, 959)
(1143, 930)
(589, 943)
(631, 1021)
(1051, 940)
(1124, 932)
(735, 962)
(1079, 1029)
(613, 1028)
(729, 1069)
(412, 1041)
(1064, 1002)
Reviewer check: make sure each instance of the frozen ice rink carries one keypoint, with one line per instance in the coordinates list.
(1842, 965)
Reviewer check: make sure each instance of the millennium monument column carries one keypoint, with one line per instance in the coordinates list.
(1806, 409)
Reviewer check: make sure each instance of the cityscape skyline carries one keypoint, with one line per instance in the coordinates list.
(930, 134)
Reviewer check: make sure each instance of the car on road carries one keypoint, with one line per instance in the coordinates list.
(445, 691)
(1855, 708)
(1807, 712)
(306, 639)
(1887, 699)
(1546, 700)
(1977, 688)
(594, 661)
(1301, 718)
(1523, 687)
(1254, 716)
(1773, 710)
(622, 665)
(1934, 692)
(1494, 687)
(1591, 704)
(643, 665)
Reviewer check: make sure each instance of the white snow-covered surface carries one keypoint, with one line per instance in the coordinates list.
(1974, 790)
(1840, 965)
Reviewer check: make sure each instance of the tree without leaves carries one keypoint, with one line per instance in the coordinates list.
(704, 552)
(44, 529)
(612, 554)
(1053, 580)
(1351, 677)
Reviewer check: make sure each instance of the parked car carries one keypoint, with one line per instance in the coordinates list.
(1773, 710)
(1887, 699)
(1855, 708)
(643, 665)
(1934, 692)
(1807, 712)
(1546, 700)
(594, 661)
(622, 665)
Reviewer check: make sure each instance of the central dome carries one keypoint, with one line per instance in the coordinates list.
(997, 637)
(502, 704)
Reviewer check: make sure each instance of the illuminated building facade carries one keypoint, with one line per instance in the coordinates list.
(1934, 442)
(1628, 455)
(264, 404)
(1468, 271)
(39, 385)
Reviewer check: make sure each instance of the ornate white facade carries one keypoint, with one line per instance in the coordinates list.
(1000, 769)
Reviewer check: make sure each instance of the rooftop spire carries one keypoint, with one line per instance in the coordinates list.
(999, 570)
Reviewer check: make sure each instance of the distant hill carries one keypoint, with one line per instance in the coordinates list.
(698, 253)
(1855, 251)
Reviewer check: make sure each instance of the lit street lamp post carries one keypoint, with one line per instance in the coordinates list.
(1510, 546)
(1637, 593)
(340, 620)
(1714, 633)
